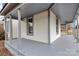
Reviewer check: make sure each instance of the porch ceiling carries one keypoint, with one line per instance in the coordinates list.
(31, 8)
(65, 11)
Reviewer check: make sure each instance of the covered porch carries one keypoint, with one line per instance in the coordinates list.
(19, 42)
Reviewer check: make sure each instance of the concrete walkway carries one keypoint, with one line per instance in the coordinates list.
(3, 50)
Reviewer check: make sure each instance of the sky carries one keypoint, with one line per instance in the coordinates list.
(1, 17)
(0, 6)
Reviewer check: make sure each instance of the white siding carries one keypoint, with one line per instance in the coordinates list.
(53, 35)
(23, 28)
(40, 28)
(15, 28)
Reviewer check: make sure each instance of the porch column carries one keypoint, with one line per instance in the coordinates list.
(77, 31)
(5, 29)
(74, 28)
(19, 24)
(11, 33)
(19, 30)
(65, 30)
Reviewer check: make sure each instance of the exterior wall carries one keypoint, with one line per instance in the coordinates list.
(23, 28)
(53, 35)
(40, 28)
(15, 28)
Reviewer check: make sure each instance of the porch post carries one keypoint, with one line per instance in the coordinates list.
(19, 24)
(5, 29)
(74, 28)
(11, 33)
(77, 31)
(19, 29)
(65, 30)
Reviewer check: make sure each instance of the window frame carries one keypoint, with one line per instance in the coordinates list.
(57, 26)
(28, 31)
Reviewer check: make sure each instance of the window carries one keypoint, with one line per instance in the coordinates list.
(57, 26)
(7, 26)
(30, 26)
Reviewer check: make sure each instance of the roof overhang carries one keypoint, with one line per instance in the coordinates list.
(8, 8)
(65, 11)
(28, 9)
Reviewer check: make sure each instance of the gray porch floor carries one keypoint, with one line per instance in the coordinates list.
(65, 45)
